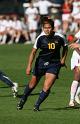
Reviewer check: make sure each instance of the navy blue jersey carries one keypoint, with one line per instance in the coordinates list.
(50, 46)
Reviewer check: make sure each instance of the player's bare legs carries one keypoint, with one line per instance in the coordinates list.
(77, 98)
(49, 80)
(28, 89)
(74, 86)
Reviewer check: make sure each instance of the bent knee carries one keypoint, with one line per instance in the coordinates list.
(33, 82)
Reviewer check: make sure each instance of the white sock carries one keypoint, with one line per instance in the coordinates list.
(78, 91)
(4, 38)
(33, 36)
(73, 89)
(0, 37)
(17, 39)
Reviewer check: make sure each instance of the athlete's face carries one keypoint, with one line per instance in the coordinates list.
(47, 28)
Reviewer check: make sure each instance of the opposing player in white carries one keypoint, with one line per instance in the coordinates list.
(31, 14)
(75, 66)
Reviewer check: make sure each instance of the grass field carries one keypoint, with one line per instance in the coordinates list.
(13, 61)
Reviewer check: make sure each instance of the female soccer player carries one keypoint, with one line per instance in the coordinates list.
(75, 66)
(48, 62)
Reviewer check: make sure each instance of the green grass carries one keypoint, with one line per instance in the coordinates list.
(13, 61)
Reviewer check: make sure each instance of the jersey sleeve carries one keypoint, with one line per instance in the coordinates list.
(63, 37)
(37, 42)
(77, 35)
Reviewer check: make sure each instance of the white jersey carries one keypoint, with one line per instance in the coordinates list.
(8, 24)
(77, 35)
(75, 59)
(17, 25)
(43, 6)
(76, 9)
(2, 25)
(31, 13)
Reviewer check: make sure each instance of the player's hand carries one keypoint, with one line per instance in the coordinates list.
(74, 45)
(63, 64)
(28, 70)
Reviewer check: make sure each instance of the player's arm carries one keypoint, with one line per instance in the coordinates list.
(74, 45)
(64, 50)
(31, 58)
(64, 54)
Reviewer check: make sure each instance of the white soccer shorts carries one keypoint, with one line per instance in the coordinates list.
(75, 60)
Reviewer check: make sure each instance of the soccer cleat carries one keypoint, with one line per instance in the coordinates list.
(71, 103)
(77, 100)
(36, 108)
(20, 105)
(15, 89)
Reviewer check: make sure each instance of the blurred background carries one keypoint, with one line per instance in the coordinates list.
(20, 20)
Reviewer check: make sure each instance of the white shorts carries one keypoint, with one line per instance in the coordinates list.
(32, 25)
(65, 17)
(75, 60)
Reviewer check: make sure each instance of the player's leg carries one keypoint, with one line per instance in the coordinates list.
(50, 77)
(0, 38)
(74, 86)
(6, 79)
(4, 38)
(9, 82)
(18, 35)
(49, 80)
(12, 35)
(77, 96)
(28, 89)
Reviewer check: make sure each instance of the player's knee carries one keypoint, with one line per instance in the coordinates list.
(32, 83)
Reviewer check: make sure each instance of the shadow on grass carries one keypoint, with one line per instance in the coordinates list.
(61, 108)
(6, 95)
(32, 94)
(20, 95)
(57, 109)
(9, 87)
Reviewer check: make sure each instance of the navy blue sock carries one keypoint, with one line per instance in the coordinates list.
(43, 95)
(27, 92)
(6, 79)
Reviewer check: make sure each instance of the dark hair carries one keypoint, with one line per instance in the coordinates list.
(46, 20)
